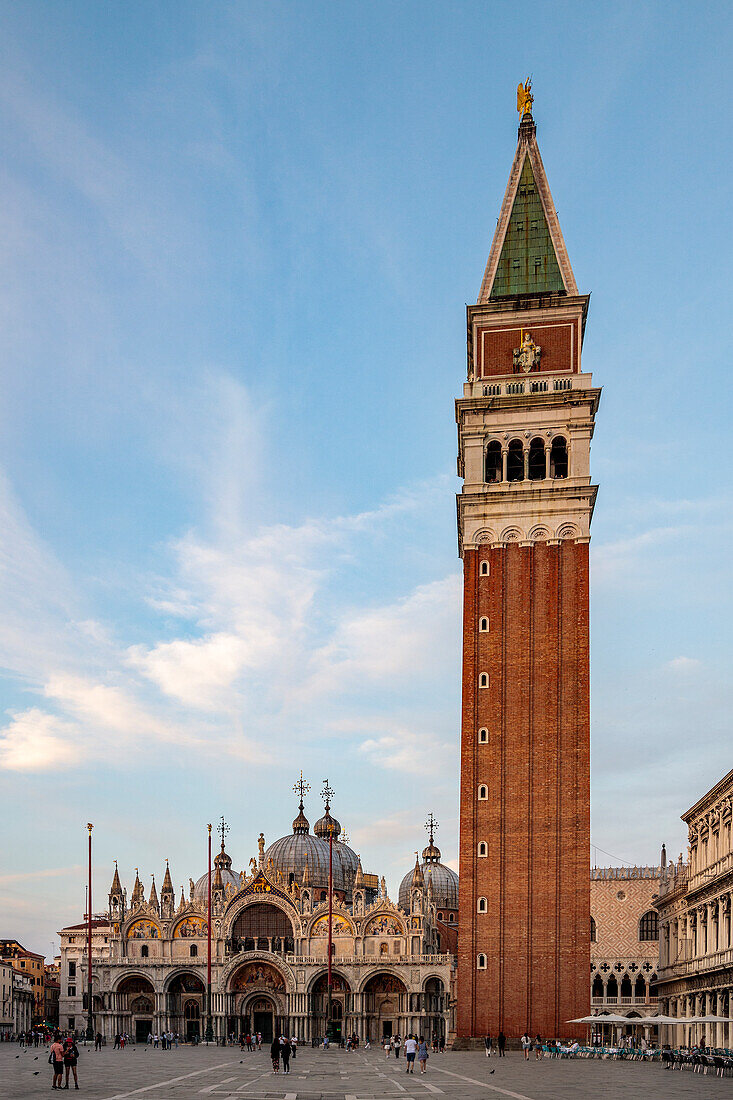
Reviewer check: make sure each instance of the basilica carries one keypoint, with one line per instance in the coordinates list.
(392, 963)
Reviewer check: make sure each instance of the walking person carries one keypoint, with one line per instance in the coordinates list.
(397, 1045)
(526, 1045)
(293, 1047)
(56, 1058)
(387, 1048)
(98, 1041)
(275, 1054)
(422, 1054)
(410, 1052)
(487, 1045)
(501, 1043)
(259, 1040)
(537, 1047)
(71, 1057)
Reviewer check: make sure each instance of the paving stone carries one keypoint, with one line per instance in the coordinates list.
(210, 1073)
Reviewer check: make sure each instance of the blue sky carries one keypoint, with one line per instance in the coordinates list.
(237, 241)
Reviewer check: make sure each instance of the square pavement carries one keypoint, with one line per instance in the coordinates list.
(216, 1073)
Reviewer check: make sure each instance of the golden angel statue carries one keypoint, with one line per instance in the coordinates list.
(525, 99)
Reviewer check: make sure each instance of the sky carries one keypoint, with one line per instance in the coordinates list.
(237, 244)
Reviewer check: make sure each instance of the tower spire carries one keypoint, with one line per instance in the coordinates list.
(528, 253)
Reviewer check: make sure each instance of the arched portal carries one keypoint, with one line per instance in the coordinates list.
(135, 997)
(260, 1000)
(341, 1003)
(432, 1006)
(385, 1006)
(186, 1004)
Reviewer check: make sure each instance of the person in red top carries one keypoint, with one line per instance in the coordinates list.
(71, 1056)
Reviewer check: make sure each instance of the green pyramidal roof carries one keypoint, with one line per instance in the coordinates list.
(528, 264)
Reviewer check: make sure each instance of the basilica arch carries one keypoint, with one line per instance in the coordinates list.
(257, 995)
(262, 922)
(185, 1003)
(384, 1005)
(134, 1006)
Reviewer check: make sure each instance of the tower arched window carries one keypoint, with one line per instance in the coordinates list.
(483, 680)
(537, 462)
(483, 850)
(493, 462)
(592, 930)
(144, 951)
(649, 925)
(480, 962)
(515, 461)
(481, 905)
(483, 737)
(483, 625)
(559, 457)
(483, 793)
(484, 569)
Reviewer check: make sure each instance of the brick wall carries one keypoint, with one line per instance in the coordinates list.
(536, 820)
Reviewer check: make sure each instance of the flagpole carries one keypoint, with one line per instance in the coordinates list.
(90, 1017)
(209, 1028)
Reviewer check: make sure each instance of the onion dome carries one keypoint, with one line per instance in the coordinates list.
(444, 880)
(223, 870)
(327, 826)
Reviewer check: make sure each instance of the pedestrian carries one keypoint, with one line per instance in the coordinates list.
(501, 1043)
(397, 1045)
(526, 1044)
(98, 1041)
(156, 1040)
(487, 1045)
(259, 1040)
(116, 1042)
(56, 1059)
(422, 1054)
(537, 1047)
(410, 1052)
(275, 1054)
(387, 1047)
(285, 1053)
(71, 1056)
(441, 1044)
(293, 1047)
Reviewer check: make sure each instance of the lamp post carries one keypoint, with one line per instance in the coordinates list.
(209, 1027)
(90, 1015)
(327, 795)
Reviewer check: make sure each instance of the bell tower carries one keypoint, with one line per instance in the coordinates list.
(525, 424)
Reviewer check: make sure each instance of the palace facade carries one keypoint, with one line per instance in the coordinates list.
(391, 972)
(624, 942)
(695, 906)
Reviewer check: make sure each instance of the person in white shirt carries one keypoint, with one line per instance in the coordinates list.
(410, 1052)
(526, 1044)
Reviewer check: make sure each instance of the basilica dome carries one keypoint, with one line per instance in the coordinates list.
(291, 855)
(224, 864)
(444, 880)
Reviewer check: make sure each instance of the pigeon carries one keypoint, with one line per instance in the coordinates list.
(36, 1058)
(36, 1072)
(492, 1071)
